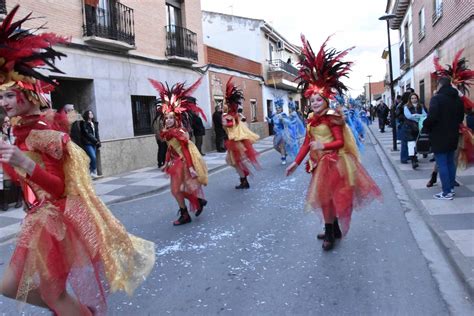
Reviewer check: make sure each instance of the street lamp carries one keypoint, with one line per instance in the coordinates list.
(370, 96)
(387, 18)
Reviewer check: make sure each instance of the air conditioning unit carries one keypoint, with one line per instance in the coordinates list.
(279, 45)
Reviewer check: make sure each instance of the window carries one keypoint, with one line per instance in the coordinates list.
(437, 10)
(270, 51)
(143, 113)
(253, 109)
(422, 91)
(173, 13)
(421, 24)
(218, 101)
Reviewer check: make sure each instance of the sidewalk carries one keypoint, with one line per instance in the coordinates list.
(131, 185)
(452, 222)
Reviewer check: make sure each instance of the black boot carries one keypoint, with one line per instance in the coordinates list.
(337, 231)
(244, 184)
(414, 162)
(184, 217)
(434, 177)
(329, 239)
(202, 203)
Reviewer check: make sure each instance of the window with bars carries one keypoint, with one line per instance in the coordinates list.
(253, 110)
(143, 112)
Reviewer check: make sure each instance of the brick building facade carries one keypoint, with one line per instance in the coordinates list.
(247, 76)
(116, 45)
(440, 28)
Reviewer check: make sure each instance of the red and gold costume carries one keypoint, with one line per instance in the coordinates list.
(182, 154)
(240, 151)
(461, 77)
(339, 182)
(68, 237)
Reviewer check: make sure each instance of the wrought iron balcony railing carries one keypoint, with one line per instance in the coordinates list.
(114, 22)
(181, 42)
(280, 65)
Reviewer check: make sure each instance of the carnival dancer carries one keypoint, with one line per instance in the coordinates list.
(184, 163)
(297, 129)
(339, 182)
(280, 127)
(68, 239)
(240, 152)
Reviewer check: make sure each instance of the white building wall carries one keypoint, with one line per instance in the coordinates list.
(236, 35)
(116, 79)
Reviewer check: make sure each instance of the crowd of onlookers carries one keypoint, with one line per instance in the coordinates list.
(422, 130)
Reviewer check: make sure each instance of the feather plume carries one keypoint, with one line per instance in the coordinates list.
(321, 73)
(233, 96)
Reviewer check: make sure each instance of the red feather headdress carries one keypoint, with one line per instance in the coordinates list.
(461, 76)
(233, 96)
(22, 53)
(177, 99)
(321, 73)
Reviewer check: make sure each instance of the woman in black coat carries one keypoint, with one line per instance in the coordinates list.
(91, 140)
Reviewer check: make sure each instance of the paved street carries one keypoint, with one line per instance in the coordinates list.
(255, 252)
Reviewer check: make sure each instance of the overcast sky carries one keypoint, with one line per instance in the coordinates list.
(354, 22)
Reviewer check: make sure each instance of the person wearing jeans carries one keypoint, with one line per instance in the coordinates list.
(91, 140)
(445, 114)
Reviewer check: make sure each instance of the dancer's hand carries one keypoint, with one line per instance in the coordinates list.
(317, 145)
(291, 168)
(13, 156)
(164, 167)
(193, 172)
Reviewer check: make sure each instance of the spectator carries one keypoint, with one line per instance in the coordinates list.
(445, 114)
(8, 185)
(382, 114)
(91, 140)
(219, 129)
(402, 132)
(75, 121)
(162, 145)
(198, 130)
(413, 111)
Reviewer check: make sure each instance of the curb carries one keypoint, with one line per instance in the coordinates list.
(452, 253)
(165, 187)
(14, 231)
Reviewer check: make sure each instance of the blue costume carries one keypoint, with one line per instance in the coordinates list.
(289, 131)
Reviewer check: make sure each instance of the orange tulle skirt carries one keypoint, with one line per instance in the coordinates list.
(182, 182)
(241, 154)
(339, 183)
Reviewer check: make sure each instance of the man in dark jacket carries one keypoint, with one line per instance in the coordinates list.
(445, 114)
(382, 114)
(198, 130)
(219, 129)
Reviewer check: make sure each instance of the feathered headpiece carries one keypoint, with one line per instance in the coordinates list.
(321, 73)
(177, 99)
(340, 99)
(461, 76)
(233, 96)
(22, 53)
(291, 105)
(279, 102)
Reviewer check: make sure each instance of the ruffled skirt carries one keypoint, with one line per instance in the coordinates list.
(63, 243)
(338, 184)
(182, 181)
(241, 154)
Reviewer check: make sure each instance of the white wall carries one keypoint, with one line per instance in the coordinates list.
(115, 79)
(236, 35)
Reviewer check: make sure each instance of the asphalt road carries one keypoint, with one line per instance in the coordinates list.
(255, 252)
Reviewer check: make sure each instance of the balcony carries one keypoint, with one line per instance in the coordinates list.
(282, 75)
(438, 13)
(421, 33)
(111, 27)
(181, 45)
